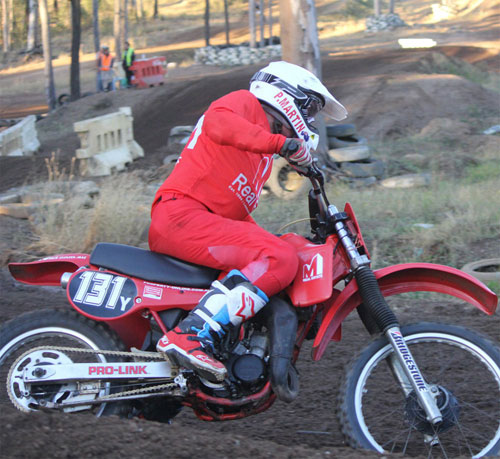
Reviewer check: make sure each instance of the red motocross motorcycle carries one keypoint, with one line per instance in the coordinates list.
(100, 355)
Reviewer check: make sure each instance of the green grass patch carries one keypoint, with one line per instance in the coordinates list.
(488, 170)
(433, 224)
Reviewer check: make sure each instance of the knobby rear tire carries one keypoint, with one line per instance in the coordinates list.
(67, 327)
(374, 413)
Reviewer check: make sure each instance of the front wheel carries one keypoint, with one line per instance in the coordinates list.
(463, 366)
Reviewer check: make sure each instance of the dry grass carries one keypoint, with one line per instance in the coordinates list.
(454, 215)
(120, 213)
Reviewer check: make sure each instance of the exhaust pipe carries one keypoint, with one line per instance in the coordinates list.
(65, 279)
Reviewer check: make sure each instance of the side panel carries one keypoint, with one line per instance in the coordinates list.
(120, 301)
(48, 271)
(105, 295)
(405, 278)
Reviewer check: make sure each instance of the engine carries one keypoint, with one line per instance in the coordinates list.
(247, 368)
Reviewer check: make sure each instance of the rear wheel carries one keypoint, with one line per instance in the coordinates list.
(29, 334)
(463, 366)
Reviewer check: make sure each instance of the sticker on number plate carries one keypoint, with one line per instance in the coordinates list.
(102, 294)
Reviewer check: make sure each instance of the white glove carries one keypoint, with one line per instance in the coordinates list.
(296, 152)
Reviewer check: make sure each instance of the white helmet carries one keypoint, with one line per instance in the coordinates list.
(298, 95)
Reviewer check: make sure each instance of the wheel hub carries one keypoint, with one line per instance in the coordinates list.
(27, 396)
(447, 404)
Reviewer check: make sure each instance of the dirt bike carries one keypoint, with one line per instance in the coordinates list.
(100, 356)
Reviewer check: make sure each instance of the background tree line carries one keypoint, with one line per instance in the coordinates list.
(20, 19)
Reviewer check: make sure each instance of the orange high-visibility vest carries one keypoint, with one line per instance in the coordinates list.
(105, 62)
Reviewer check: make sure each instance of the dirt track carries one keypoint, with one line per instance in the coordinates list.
(367, 83)
(305, 428)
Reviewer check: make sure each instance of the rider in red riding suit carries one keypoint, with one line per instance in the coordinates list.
(201, 213)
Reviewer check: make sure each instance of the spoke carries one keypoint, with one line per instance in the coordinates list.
(411, 429)
(436, 436)
(407, 439)
(493, 417)
(389, 414)
(463, 436)
(475, 432)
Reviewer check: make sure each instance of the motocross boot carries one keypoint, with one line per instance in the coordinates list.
(225, 306)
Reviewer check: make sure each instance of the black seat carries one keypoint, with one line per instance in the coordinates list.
(151, 266)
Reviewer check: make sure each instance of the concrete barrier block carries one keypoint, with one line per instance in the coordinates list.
(106, 163)
(20, 139)
(107, 143)
(24, 210)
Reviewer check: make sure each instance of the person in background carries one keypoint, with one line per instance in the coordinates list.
(201, 213)
(98, 72)
(128, 58)
(105, 64)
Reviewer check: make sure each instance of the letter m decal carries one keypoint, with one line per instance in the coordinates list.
(313, 270)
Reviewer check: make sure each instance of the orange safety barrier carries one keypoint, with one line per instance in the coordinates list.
(149, 72)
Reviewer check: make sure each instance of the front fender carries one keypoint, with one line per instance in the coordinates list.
(411, 277)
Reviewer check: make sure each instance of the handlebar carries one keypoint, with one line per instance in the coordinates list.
(315, 175)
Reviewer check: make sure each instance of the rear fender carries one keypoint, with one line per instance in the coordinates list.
(131, 329)
(48, 271)
(393, 280)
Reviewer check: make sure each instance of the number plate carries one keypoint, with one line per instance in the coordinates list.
(101, 294)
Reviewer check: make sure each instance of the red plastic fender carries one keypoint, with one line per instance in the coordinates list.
(48, 271)
(410, 277)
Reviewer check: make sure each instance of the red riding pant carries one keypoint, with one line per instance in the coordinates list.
(184, 228)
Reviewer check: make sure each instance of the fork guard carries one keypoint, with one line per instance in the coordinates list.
(403, 278)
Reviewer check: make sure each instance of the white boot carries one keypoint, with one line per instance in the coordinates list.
(226, 305)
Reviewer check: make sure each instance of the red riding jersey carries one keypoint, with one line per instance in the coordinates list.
(201, 213)
(228, 157)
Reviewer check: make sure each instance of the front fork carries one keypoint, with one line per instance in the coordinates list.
(402, 363)
(406, 371)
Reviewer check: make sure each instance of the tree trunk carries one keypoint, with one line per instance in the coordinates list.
(226, 21)
(6, 26)
(12, 20)
(95, 23)
(261, 22)
(139, 9)
(300, 45)
(376, 7)
(155, 13)
(207, 22)
(299, 34)
(117, 27)
(124, 24)
(47, 54)
(76, 15)
(31, 41)
(391, 6)
(270, 22)
(251, 23)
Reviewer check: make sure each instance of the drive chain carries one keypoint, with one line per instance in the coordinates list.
(103, 398)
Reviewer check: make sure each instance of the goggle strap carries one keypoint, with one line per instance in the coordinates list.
(279, 83)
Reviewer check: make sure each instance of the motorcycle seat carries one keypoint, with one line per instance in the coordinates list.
(151, 266)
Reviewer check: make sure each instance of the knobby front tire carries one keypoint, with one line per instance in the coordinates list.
(375, 413)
